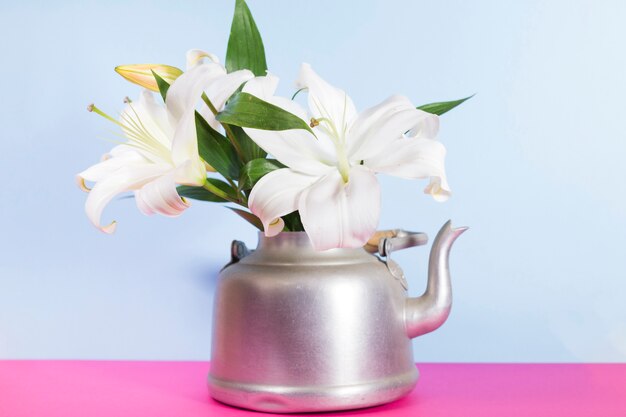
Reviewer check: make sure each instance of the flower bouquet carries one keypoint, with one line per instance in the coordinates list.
(307, 169)
(305, 176)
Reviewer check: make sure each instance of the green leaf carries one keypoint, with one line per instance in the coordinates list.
(248, 147)
(245, 46)
(216, 150)
(293, 222)
(443, 106)
(249, 217)
(200, 193)
(246, 110)
(255, 170)
(162, 84)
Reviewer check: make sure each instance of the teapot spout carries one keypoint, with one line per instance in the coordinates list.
(429, 311)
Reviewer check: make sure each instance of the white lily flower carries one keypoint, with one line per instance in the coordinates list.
(204, 75)
(330, 177)
(158, 155)
(162, 148)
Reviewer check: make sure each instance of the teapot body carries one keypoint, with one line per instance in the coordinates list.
(297, 330)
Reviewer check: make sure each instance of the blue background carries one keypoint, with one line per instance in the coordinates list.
(535, 160)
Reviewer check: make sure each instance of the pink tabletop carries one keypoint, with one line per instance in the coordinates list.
(172, 389)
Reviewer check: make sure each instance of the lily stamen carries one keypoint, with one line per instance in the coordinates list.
(93, 109)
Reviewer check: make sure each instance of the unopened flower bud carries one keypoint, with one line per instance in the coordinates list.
(141, 74)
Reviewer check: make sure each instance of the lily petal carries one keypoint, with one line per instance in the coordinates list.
(275, 195)
(196, 57)
(415, 158)
(380, 125)
(326, 101)
(438, 188)
(339, 215)
(160, 196)
(120, 156)
(262, 87)
(428, 126)
(274, 227)
(187, 90)
(191, 169)
(124, 179)
(295, 148)
(220, 89)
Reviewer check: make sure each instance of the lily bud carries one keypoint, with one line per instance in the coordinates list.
(141, 74)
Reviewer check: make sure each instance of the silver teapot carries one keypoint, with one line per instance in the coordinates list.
(299, 330)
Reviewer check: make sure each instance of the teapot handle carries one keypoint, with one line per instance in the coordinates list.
(238, 251)
(384, 242)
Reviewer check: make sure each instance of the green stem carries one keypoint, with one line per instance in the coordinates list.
(213, 189)
(232, 183)
(240, 194)
(229, 131)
